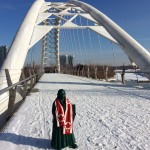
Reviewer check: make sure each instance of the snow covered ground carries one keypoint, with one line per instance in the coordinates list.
(110, 116)
(132, 76)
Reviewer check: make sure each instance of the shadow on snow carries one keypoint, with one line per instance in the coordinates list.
(23, 140)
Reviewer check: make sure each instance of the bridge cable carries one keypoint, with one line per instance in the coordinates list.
(68, 43)
(101, 52)
(114, 57)
(85, 49)
(75, 43)
(62, 38)
(79, 44)
(71, 40)
(71, 49)
(91, 45)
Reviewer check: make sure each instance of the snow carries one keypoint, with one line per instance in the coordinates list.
(137, 80)
(110, 116)
(132, 76)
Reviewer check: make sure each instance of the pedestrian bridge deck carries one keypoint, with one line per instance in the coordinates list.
(109, 115)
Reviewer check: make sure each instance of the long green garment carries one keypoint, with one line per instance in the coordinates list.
(60, 140)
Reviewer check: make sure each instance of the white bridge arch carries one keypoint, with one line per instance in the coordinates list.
(31, 31)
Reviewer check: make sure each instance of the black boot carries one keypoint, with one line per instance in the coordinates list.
(74, 146)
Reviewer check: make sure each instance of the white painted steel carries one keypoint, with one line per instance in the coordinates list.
(102, 31)
(42, 17)
(19, 48)
(87, 16)
(17, 53)
(30, 33)
(57, 50)
(131, 47)
(39, 32)
(44, 8)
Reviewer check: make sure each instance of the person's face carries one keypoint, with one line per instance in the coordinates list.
(61, 95)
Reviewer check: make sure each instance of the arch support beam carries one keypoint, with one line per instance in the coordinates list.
(131, 47)
(19, 48)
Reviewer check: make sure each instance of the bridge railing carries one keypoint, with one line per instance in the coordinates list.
(94, 72)
(22, 87)
(108, 73)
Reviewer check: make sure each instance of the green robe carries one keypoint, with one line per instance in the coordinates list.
(60, 140)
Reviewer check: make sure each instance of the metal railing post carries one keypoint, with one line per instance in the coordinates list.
(31, 80)
(34, 78)
(12, 95)
(88, 72)
(25, 83)
(106, 73)
(95, 73)
(78, 71)
(82, 72)
(123, 75)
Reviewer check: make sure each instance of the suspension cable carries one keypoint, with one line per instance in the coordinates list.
(75, 43)
(91, 45)
(80, 49)
(114, 57)
(67, 38)
(101, 52)
(63, 39)
(85, 49)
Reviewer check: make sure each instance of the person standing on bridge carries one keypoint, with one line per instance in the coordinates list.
(63, 116)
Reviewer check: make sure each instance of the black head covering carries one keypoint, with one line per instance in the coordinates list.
(61, 94)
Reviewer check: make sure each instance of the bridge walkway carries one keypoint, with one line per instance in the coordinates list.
(109, 115)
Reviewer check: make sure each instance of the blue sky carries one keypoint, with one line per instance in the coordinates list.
(132, 15)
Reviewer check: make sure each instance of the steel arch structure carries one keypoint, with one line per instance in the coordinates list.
(34, 28)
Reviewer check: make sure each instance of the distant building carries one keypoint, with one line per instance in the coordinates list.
(63, 60)
(66, 60)
(3, 52)
(70, 60)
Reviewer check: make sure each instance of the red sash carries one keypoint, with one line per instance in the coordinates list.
(64, 119)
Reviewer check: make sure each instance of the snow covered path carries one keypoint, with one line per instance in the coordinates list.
(109, 116)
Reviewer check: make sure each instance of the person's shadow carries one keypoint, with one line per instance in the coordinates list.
(23, 140)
